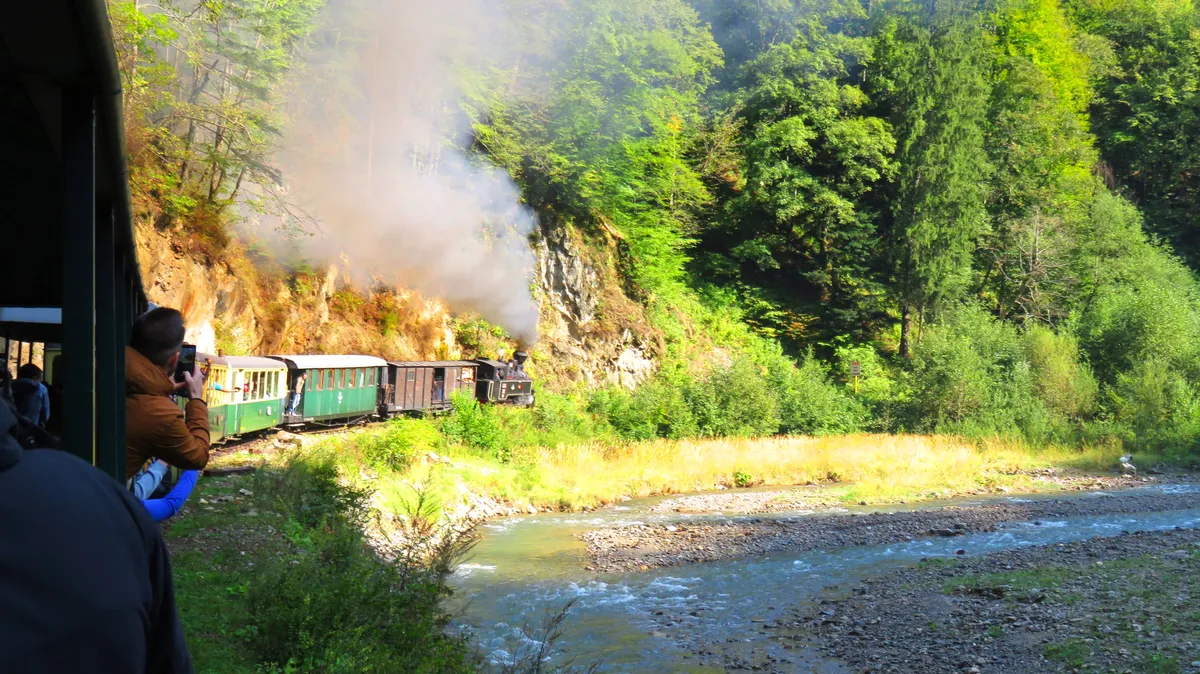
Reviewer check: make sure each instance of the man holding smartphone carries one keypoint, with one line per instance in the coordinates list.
(158, 365)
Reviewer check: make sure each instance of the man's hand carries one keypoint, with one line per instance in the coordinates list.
(193, 383)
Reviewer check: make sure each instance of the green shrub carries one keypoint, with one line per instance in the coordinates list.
(1154, 314)
(476, 426)
(334, 605)
(970, 375)
(735, 401)
(811, 404)
(562, 419)
(401, 441)
(1159, 405)
(659, 408)
(1063, 381)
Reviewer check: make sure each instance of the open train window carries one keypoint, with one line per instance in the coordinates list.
(350, 379)
(329, 380)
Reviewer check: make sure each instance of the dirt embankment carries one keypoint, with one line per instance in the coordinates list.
(1124, 604)
(645, 546)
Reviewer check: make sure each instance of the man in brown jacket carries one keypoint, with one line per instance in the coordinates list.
(155, 428)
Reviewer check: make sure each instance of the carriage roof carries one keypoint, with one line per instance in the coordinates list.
(323, 362)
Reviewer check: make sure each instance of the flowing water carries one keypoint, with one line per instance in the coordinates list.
(660, 620)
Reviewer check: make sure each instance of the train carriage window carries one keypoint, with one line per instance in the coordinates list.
(310, 383)
(328, 380)
(360, 376)
(350, 379)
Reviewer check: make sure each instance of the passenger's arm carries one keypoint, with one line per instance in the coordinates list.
(146, 482)
(166, 507)
(183, 441)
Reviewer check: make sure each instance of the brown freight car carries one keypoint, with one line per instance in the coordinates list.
(426, 385)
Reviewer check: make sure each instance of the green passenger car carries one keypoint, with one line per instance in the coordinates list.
(244, 394)
(333, 389)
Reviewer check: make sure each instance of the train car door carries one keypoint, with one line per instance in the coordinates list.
(437, 391)
(424, 384)
(410, 388)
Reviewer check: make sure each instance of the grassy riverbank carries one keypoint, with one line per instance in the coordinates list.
(274, 573)
(406, 456)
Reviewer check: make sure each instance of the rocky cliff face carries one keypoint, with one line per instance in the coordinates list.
(230, 306)
(591, 333)
(207, 295)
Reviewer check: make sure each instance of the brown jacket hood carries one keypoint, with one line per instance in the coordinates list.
(142, 376)
(155, 427)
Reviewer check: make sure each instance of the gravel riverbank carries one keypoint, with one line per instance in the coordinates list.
(1123, 604)
(645, 546)
(743, 502)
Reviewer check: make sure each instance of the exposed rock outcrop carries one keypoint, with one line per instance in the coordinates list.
(590, 330)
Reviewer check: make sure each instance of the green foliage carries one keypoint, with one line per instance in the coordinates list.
(735, 401)
(743, 479)
(476, 426)
(932, 73)
(402, 441)
(332, 605)
(1064, 382)
(812, 158)
(812, 404)
(1148, 107)
(970, 374)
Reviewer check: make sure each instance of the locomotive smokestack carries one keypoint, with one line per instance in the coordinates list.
(521, 357)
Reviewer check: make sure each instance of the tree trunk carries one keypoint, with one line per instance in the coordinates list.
(905, 329)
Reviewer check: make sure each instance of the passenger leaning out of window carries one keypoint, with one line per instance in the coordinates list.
(156, 429)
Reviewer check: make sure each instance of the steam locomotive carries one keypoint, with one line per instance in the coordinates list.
(246, 394)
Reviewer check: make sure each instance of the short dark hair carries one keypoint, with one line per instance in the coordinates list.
(158, 334)
(29, 371)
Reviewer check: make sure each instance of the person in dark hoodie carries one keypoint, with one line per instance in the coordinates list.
(154, 425)
(85, 579)
(30, 394)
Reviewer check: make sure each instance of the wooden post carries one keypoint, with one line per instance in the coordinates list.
(79, 272)
(110, 352)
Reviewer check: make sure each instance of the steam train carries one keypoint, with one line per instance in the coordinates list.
(247, 394)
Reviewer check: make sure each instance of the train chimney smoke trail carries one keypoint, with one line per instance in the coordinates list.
(374, 154)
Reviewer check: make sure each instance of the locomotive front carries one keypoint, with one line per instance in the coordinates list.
(504, 382)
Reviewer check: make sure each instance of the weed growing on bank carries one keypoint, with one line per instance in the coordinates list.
(861, 467)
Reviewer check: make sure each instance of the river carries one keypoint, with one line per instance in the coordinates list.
(687, 618)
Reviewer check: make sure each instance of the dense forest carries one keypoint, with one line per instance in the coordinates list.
(990, 206)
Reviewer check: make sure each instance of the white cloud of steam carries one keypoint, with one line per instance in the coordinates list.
(373, 154)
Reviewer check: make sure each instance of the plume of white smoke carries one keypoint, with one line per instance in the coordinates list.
(374, 155)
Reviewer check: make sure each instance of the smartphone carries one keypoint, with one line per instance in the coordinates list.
(187, 361)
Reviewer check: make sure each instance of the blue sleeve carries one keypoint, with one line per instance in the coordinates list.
(45, 394)
(165, 508)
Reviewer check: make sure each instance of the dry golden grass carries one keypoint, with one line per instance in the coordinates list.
(874, 467)
(870, 468)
